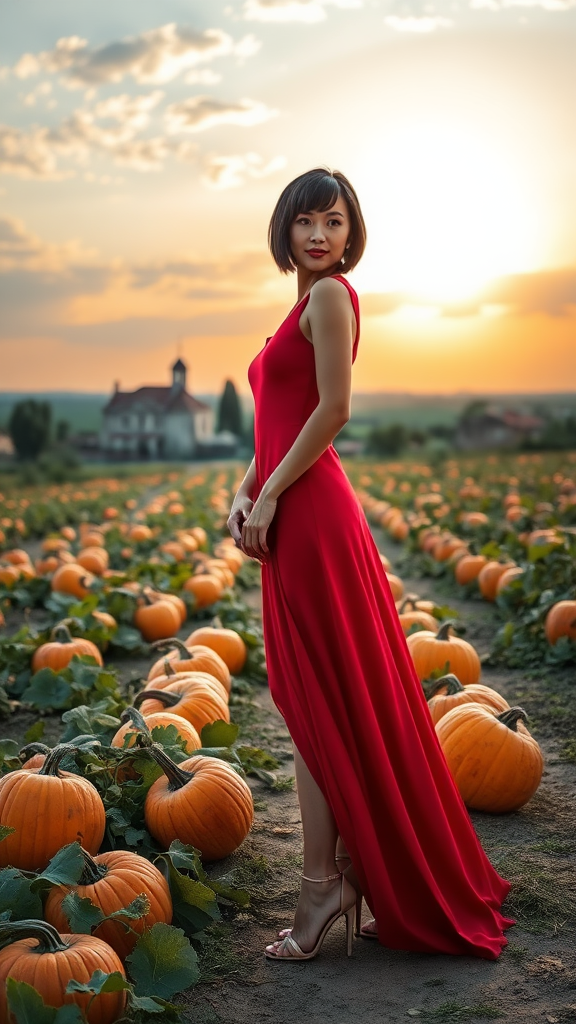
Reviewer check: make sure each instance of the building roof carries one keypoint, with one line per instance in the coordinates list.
(179, 365)
(156, 399)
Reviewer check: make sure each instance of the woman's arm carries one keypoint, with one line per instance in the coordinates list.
(247, 486)
(331, 320)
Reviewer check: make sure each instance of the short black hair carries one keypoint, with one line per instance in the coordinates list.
(317, 189)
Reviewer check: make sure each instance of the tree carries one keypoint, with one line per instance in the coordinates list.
(229, 411)
(62, 431)
(29, 427)
(387, 440)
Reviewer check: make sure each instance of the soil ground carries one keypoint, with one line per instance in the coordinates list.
(533, 980)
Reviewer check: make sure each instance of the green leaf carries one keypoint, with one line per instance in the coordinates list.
(65, 867)
(47, 689)
(219, 734)
(35, 732)
(27, 1005)
(17, 897)
(90, 719)
(5, 831)
(163, 962)
(150, 1005)
(538, 551)
(82, 914)
(139, 907)
(194, 903)
(9, 748)
(255, 757)
(100, 982)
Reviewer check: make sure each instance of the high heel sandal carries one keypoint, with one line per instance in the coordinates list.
(359, 932)
(295, 952)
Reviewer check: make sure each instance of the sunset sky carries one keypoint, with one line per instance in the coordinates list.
(143, 146)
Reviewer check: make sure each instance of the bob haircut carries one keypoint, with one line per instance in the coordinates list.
(318, 190)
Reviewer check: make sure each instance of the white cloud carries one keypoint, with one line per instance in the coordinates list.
(129, 110)
(27, 154)
(420, 24)
(308, 11)
(156, 56)
(231, 171)
(202, 76)
(198, 113)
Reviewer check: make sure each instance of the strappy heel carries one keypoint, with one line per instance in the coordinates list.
(359, 932)
(290, 944)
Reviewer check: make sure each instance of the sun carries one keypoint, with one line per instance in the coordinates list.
(447, 211)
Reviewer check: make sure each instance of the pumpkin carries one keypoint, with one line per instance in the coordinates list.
(72, 578)
(199, 533)
(17, 556)
(94, 559)
(134, 724)
(157, 620)
(39, 956)
(190, 659)
(196, 700)
(92, 538)
(58, 652)
(454, 694)
(561, 621)
(226, 642)
(414, 616)
(201, 801)
(396, 585)
(9, 574)
(140, 533)
(105, 618)
(111, 881)
(432, 651)
(206, 588)
(508, 577)
(159, 595)
(189, 676)
(488, 578)
(468, 567)
(495, 762)
(48, 808)
(446, 546)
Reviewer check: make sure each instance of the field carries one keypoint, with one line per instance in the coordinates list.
(486, 546)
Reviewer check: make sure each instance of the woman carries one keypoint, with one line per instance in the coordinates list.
(373, 785)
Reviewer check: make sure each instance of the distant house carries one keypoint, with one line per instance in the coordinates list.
(157, 422)
(491, 427)
(6, 446)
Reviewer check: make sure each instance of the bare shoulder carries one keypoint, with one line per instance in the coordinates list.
(327, 291)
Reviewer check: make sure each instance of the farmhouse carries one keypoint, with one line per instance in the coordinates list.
(491, 427)
(156, 422)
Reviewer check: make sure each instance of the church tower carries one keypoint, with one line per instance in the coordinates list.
(179, 376)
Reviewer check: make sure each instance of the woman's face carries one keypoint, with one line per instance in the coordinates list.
(318, 239)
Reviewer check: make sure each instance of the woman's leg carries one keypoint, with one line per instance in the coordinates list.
(317, 902)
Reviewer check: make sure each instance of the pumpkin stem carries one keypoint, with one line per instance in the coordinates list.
(511, 716)
(31, 749)
(442, 633)
(49, 940)
(164, 645)
(408, 600)
(217, 622)
(131, 714)
(177, 777)
(169, 700)
(91, 872)
(53, 759)
(450, 681)
(61, 634)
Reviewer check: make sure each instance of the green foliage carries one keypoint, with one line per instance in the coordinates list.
(82, 682)
(28, 1007)
(230, 411)
(388, 440)
(163, 962)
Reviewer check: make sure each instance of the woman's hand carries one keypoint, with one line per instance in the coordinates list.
(256, 525)
(241, 509)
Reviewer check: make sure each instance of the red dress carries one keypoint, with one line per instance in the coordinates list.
(341, 676)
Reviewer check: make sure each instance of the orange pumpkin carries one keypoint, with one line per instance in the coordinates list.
(488, 578)
(495, 762)
(396, 585)
(111, 881)
(226, 642)
(433, 651)
(197, 700)
(161, 595)
(468, 567)
(202, 801)
(39, 956)
(72, 579)
(157, 620)
(410, 615)
(561, 621)
(206, 588)
(48, 808)
(198, 658)
(447, 693)
(134, 723)
(508, 577)
(94, 559)
(61, 648)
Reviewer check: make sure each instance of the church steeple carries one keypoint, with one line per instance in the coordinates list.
(179, 376)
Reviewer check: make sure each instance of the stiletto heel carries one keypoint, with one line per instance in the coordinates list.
(288, 943)
(358, 920)
(349, 930)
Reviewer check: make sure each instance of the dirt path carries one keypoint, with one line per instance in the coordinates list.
(534, 979)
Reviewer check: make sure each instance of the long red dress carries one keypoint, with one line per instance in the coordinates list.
(341, 676)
